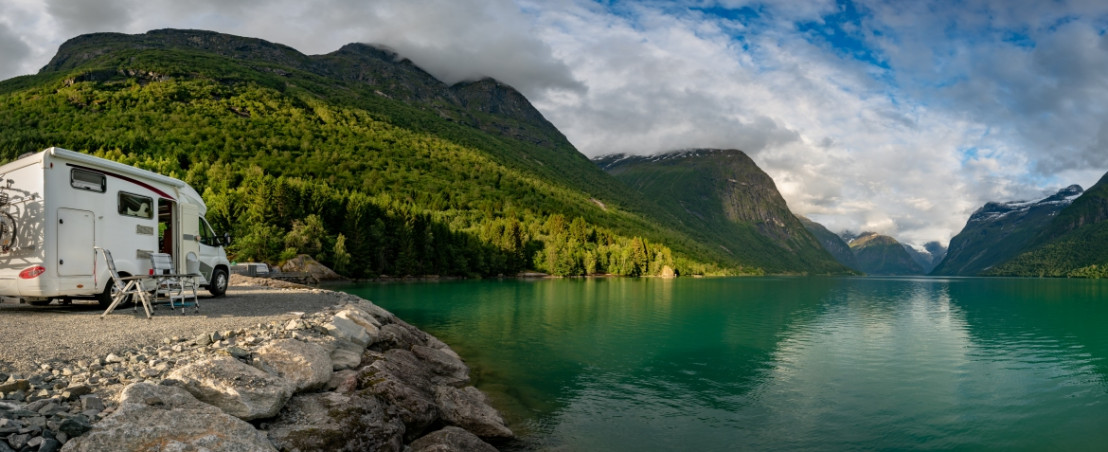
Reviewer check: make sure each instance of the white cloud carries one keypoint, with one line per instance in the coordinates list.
(988, 100)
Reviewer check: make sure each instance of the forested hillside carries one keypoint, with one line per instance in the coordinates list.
(356, 157)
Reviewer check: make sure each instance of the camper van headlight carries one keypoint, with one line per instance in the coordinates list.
(32, 272)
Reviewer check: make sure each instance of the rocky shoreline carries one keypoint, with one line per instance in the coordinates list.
(349, 377)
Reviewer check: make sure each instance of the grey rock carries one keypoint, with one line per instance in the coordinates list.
(445, 366)
(237, 388)
(401, 382)
(50, 445)
(343, 382)
(74, 426)
(451, 439)
(345, 329)
(114, 358)
(15, 385)
(399, 335)
(346, 355)
(160, 417)
(92, 402)
(17, 441)
(5, 448)
(307, 366)
(336, 422)
(203, 340)
(469, 408)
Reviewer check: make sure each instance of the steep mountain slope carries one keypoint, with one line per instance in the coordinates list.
(998, 232)
(928, 257)
(723, 198)
(394, 171)
(882, 255)
(1075, 243)
(830, 242)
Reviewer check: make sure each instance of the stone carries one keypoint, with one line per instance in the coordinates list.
(343, 381)
(336, 422)
(344, 329)
(235, 387)
(304, 263)
(395, 335)
(468, 408)
(74, 392)
(451, 439)
(402, 382)
(446, 367)
(74, 426)
(19, 440)
(307, 366)
(114, 358)
(346, 355)
(161, 417)
(49, 445)
(91, 402)
(203, 340)
(15, 385)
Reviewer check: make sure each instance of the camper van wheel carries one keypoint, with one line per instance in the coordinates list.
(105, 297)
(218, 286)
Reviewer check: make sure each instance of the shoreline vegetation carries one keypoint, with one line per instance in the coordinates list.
(348, 376)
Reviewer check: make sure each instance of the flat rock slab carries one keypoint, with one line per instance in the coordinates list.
(336, 422)
(235, 387)
(469, 408)
(307, 366)
(156, 417)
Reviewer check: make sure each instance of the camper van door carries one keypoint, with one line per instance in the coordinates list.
(190, 235)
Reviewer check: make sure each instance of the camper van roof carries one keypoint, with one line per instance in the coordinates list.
(183, 189)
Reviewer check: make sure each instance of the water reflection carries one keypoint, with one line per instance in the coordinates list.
(779, 363)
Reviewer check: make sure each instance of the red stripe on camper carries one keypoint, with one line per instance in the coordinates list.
(126, 178)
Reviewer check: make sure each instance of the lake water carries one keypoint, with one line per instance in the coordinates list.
(779, 363)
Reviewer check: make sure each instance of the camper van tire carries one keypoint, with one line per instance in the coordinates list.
(218, 287)
(105, 297)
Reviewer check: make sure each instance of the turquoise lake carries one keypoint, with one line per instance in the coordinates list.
(785, 363)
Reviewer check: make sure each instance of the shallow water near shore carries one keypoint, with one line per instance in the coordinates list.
(779, 363)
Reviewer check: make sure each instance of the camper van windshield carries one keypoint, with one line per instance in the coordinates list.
(135, 205)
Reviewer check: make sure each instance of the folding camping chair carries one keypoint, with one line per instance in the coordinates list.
(172, 284)
(124, 286)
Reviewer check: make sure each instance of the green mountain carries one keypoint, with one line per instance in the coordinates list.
(1073, 244)
(722, 198)
(357, 157)
(830, 242)
(882, 255)
(998, 232)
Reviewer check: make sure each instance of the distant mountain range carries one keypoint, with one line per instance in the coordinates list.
(878, 254)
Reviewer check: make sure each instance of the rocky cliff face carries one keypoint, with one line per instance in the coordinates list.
(831, 242)
(927, 257)
(998, 232)
(727, 200)
(882, 255)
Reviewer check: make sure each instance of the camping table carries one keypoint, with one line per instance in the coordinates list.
(166, 277)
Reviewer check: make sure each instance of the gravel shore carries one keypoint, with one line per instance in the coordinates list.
(36, 335)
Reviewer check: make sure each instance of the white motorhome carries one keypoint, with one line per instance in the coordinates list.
(57, 204)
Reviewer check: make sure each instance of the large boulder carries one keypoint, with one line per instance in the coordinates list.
(307, 366)
(451, 439)
(401, 381)
(235, 387)
(468, 408)
(345, 355)
(156, 417)
(342, 328)
(445, 367)
(306, 264)
(336, 422)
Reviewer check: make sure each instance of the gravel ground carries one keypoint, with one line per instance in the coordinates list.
(33, 335)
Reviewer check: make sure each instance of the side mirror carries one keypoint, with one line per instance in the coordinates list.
(226, 239)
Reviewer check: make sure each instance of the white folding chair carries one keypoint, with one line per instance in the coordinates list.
(124, 286)
(171, 284)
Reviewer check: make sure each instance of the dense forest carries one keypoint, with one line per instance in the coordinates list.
(290, 162)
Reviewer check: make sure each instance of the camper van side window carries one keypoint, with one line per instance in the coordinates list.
(88, 180)
(135, 205)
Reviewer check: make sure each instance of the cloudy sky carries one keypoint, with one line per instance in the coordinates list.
(900, 117)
